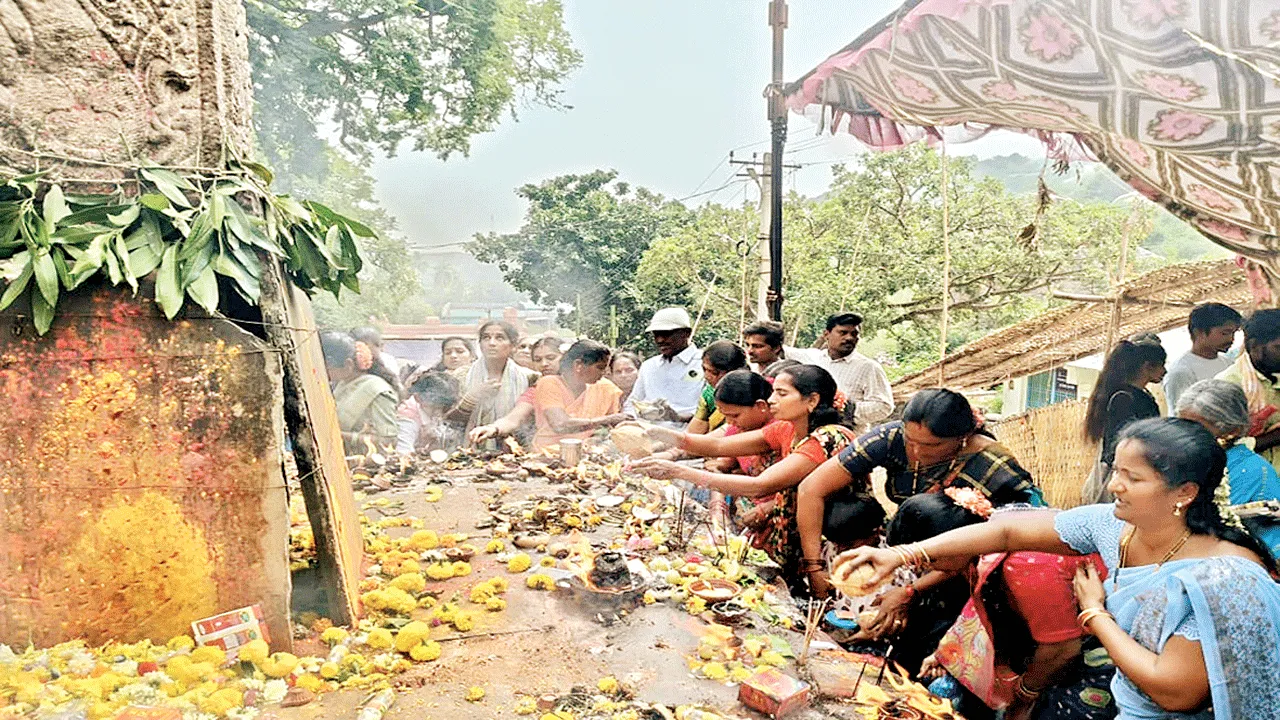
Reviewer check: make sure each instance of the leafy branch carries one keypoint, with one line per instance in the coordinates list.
(187, 229)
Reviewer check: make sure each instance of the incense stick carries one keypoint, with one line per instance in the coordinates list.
(884, 665)
(811, 626)
(861, 672)
(680, 520)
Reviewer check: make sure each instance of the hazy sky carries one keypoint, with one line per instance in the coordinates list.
(666, 89)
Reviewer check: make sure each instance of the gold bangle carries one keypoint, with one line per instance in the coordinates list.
(1021, 690)
(1090, 614)
(903, 556)
(924, 553)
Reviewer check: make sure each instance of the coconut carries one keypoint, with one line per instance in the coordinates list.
(632, 441)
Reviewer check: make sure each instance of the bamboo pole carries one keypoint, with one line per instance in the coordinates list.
(1117, 304)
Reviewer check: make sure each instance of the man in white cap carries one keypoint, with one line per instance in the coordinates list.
(675, 374)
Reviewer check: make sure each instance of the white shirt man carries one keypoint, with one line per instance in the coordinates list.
(675, 374)
(863, 381)
(1213, 328)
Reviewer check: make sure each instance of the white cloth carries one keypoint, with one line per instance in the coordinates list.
(678, 381)
(390, 362)
(1187, 371)
(861, 379)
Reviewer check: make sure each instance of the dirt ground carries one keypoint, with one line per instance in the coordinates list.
(544, 643)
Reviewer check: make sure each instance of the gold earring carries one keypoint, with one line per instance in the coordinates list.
(1177, 509)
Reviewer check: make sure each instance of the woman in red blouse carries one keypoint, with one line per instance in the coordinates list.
(806, 432)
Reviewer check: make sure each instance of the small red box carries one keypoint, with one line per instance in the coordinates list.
(773, 693)
(231, 630)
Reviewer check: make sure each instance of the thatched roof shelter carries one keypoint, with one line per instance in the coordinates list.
(1154, 302)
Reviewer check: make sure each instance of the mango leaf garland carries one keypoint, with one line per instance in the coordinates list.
(189, 230)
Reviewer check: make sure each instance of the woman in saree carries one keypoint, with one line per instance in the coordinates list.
(495, 382)
(1018, 630)
(546, 361)
(363, 391)
(939, 443)
(1188, 613)
(805, 433)
(718, 359)
(580, 399)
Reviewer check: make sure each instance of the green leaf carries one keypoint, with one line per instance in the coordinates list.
(9, 232)
(46, 277)
(143, 260)
(155, 174)
(168, 185)
(217, 210)
(148, 233)
(27, 182)
(55, 208)
(113, 267)
(204, 290)
(292, 207)
(155, 201)
(97, 214)
(125, 218)
(122, 252)
(262, 171)
(41, 313)
(60, 264)
(91, 260)
(168, 294)
(16, 287)
(248, 283)
(92, 200)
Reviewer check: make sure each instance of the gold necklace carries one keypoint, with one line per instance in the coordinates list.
(1173, 550)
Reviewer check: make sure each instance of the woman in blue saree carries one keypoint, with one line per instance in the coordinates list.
(1188, 613)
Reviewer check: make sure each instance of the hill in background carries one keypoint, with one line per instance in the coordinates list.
(1170, 237)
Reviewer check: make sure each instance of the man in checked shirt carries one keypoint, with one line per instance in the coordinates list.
(869, 399)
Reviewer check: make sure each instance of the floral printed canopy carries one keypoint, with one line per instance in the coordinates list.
(1181, 98)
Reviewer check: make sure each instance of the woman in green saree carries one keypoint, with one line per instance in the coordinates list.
(363, 391)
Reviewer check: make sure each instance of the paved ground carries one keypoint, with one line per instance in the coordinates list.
(544, 642)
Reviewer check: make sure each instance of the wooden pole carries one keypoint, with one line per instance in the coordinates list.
(1117, 304)
(946, 269)
(711, 286)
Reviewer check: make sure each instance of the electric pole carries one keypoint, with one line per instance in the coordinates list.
(778, 123)
(761, 171)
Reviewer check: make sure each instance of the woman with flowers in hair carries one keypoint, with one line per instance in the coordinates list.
(1188, 612)
(805, 433)
(366, 400)
(1223, 409)
(939, 443)
(1016, 646)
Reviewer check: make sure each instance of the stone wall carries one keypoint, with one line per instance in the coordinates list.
(141, 485)
(162, 82)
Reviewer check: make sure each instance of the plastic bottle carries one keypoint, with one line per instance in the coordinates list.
(375, 707)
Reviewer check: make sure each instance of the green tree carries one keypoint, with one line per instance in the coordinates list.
(582, 239)
(709, 266)
(873, 245)
(431, 72)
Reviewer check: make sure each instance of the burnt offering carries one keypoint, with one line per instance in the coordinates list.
(606, 589)
(609, 571)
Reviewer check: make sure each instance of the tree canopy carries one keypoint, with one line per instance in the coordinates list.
(581, 242)
(434, 73)
(873, 245)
